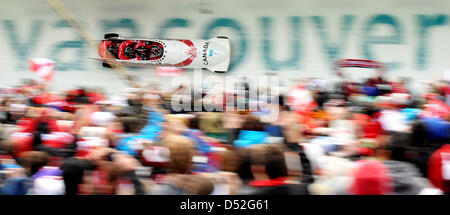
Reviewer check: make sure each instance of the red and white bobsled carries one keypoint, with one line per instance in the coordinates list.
(212, 54)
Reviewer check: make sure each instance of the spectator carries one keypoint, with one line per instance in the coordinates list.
(276, 171)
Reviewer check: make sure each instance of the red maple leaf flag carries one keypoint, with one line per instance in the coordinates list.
(42, 67)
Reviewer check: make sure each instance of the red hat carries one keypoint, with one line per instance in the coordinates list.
(371, 177)
(439, 168)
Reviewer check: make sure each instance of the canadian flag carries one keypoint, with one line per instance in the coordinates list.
(301, 100)
(359, 63)
(42, 67)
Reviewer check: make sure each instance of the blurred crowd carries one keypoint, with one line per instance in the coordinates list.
(370, 138)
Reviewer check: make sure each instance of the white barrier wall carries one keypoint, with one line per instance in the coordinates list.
(294, 38)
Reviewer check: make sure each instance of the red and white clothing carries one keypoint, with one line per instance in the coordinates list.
(301, 100)
(439, 168)
(86, 144)
(57, 139)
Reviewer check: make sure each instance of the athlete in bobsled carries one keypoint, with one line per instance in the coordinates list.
(213, 54)
(143, 50)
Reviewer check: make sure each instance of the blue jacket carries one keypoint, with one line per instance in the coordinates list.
(150, 132)
(248, 138)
